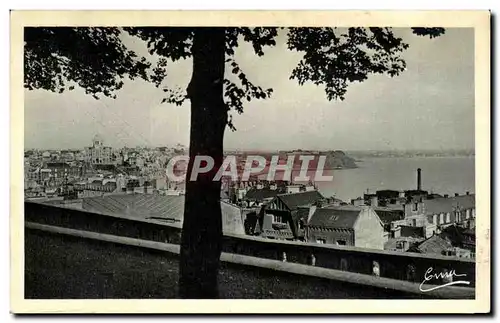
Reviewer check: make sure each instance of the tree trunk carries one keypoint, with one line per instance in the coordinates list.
(202, 229)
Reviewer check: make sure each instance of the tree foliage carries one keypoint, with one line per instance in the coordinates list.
(55, 59)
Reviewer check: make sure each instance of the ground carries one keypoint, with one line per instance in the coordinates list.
(65, 267)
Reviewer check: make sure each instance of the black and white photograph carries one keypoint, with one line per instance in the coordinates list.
(319, 159)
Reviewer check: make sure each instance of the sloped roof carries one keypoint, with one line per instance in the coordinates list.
(456, 234)
(294, 200)
(388, 215)
(434, 245)
(449, 204)
(259, 194)
(160, 208)
(57, 165)
(138, 205)
(335, 217)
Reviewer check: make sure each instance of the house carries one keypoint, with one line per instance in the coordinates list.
(446, 211)
(280, 218)
(389, 215)
(462, 237)
(433, 215)
(401, 244)
(441, 245)
(346, 225)
(98, 187)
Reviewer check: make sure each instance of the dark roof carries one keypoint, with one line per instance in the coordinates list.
(57, 165)
(471, 232)
(434, 245)
(388, 215)
(294, 200)
(456, 234)
(335, 217)
(416, 192)
(449, 204)
(387, 193)
(108, 167)
(259, 194)
(410, 231)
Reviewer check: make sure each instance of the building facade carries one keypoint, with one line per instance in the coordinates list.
(98, 154)
(346, 225)
(280, 218)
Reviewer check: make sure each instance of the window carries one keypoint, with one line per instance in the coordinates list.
(467, 214)
(400, 245)
(435, 219)
(278, 219)
(448, 219)
(414, 222)
(441, 218)
(415, 206)
(341, 242)
(322, 241)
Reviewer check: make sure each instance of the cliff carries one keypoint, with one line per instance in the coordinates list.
(337, 159)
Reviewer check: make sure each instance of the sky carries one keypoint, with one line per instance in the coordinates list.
(429, 106)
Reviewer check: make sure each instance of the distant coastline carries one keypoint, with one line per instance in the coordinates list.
(359, 155)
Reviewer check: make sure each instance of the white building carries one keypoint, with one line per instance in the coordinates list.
(98, 153)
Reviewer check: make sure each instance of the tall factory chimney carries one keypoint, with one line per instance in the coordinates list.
(419, 179)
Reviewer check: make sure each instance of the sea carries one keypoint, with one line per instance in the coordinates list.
(441, 175)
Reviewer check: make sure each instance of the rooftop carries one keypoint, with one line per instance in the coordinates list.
(294, 200)
(141, 206)
(259, 194)
(449, 204)
(334, 218)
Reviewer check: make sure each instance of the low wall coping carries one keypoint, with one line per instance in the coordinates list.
(282, 242)
(299, 269)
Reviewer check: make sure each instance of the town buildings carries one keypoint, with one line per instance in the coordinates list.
(401, 220)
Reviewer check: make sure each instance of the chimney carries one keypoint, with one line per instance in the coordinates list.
(456, 194)
(467, 193)
(419, 179)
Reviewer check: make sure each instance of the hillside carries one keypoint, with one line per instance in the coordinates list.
(337, 159)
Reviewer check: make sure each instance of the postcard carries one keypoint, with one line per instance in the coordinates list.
(250, 162)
